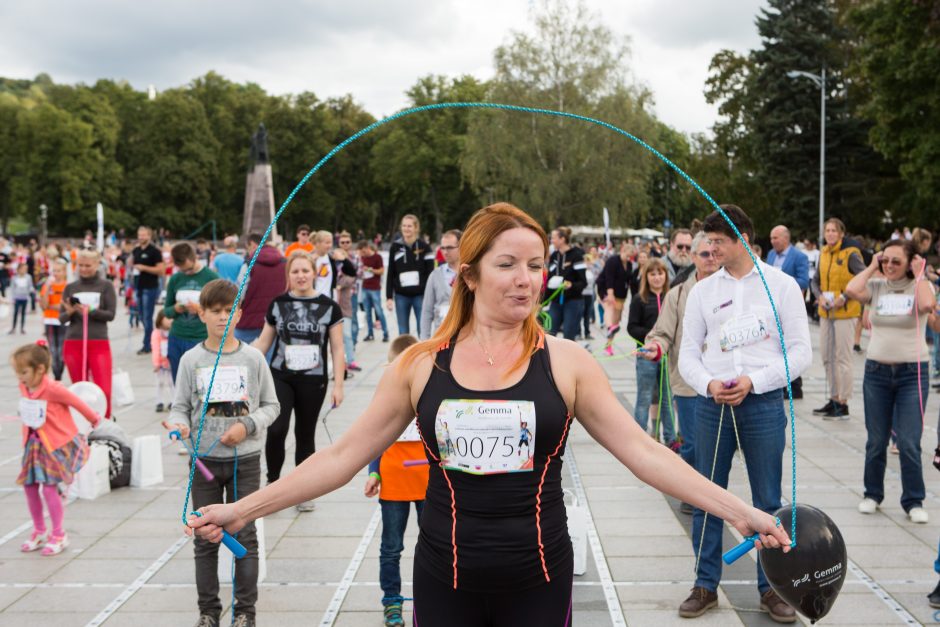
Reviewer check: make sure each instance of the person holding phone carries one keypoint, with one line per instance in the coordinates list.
(896, 371)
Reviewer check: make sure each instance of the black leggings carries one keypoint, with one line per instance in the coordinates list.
(55, 338)
(302, 395)
(437, 604)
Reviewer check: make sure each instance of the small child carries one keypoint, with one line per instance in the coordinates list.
(23, 289)
(398, 487)
(159, 341)
(133, 310)
(242, 403)
(53, 449)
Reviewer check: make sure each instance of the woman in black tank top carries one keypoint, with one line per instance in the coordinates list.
(495, 400)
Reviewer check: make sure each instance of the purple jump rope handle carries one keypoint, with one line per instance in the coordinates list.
(408, 463)
(176, 435)
(230, 542)
(732, 555)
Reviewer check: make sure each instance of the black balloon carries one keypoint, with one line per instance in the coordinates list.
(811, 575)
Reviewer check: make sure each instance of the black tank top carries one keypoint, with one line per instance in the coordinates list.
(489, 533)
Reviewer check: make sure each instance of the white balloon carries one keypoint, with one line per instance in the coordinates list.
(94, 397)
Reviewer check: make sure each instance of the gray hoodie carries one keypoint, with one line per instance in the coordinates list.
(243, 392)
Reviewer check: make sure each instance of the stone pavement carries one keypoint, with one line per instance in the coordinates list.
(128, 565)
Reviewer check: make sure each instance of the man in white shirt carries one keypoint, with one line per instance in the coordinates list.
(731, 356)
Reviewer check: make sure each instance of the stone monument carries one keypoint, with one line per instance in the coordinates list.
(259, 189)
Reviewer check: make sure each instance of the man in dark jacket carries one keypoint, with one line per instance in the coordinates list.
(267, 281)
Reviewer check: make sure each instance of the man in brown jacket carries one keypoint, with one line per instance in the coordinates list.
(666, 337)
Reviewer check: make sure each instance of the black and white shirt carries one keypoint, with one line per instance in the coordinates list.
(303, 331)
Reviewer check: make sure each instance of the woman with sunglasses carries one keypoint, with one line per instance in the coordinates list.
(896, 371)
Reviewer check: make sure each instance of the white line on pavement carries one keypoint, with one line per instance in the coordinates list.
(610, 593)
(340, 595)
(882, 594)
(26, 525)
(138, 583)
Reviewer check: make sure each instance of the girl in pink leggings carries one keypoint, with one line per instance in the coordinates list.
(53, 450)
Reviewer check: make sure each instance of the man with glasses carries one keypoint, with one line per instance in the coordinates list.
(666, 338)
(345, 244)
(303, 242)
(436, 302)
(732, 357)
(789, 260)
(679, 257)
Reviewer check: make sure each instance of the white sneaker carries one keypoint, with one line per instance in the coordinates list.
(868, 506)
(918, 515)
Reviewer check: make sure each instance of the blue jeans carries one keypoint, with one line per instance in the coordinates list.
(146, 300)
(566, 317)
(394, 521)
(355, 317)
(348, 347)
(175, 348)
(588, 314)
(685, 407)
(372, 300)
(647, 386)
(762, 429)
(935, 351)
(404, 305)
(891, 396)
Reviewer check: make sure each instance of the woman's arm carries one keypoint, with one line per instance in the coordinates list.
(858, 286)
(263, 342)
(376, 429)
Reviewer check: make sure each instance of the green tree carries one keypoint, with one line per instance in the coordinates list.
(55, 159)
(172, 163)
(233, 112)
(897, 64)
(562, 170)
(416, 161)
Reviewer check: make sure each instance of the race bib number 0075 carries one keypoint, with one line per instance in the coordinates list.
(486, 437)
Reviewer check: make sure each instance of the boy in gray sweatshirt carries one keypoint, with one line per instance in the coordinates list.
(242, 403)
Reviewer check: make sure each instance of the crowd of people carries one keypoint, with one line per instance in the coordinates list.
(710, 377)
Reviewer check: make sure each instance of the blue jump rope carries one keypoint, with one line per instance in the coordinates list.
(235, 546)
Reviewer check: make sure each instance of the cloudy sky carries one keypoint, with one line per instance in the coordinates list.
(373, 49)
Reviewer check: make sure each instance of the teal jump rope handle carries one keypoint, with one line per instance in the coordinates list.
(230, 543)
(732, 556)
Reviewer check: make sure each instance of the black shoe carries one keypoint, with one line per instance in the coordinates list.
(825, 409)
(798, 395)
(160, 408)
(368, 338)
(385, 339)
(857, 348)
(934, 597)
(840, 411)
(144, 351)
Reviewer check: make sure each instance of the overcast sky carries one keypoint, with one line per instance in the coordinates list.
(373, 49)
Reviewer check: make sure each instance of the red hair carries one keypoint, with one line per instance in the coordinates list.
(482, 229)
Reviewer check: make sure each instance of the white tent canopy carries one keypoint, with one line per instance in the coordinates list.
(616, 233)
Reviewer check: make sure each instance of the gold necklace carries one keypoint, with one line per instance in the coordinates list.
(489, 358)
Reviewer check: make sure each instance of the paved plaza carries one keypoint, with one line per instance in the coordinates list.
(130, 565)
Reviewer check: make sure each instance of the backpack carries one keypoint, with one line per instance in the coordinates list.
(119, 451)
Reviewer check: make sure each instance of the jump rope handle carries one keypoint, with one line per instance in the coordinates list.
(732, 555)
(408, 463)
(230, 542)
(176, 435)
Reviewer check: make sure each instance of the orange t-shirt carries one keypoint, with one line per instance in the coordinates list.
(398, 482)
(296, 246)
